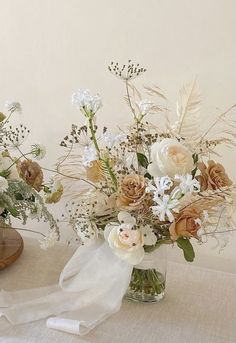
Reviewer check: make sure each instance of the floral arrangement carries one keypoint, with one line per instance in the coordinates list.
(147, 186)
(21, 179)
(130, 194)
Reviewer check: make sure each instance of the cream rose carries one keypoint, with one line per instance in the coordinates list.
(127, 240)
(169, 157)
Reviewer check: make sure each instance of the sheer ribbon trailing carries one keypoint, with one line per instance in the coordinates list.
(90, 289)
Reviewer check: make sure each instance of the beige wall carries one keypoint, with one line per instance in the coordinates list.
(51, 47)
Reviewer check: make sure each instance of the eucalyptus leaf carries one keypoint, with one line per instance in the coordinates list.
(142, 160)
(186, 246)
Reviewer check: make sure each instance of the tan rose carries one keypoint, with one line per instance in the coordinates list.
(31, 173)
(212, 176)
(95, 172)
(131, 192)
(185, 224)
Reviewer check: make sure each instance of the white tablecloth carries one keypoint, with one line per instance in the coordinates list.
(199, 307)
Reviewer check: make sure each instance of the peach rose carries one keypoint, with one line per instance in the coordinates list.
(212, 176)
(185, 224)
(131, 192)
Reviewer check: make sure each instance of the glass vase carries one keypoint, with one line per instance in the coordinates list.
(148, 279)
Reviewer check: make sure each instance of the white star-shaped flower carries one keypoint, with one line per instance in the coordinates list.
(90, 155)
(162, 184)
(165, 206)
(188, 184)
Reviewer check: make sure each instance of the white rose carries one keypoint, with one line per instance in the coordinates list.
(127, 240)
(5, 163)
(169, 157)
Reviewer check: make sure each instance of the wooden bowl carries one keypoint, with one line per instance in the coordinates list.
(11, 247)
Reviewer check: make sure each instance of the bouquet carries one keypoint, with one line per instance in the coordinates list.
(130, 194)
(148, 186)
(21, 180)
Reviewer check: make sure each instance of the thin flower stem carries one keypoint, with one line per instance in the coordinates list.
(70, 177)
(94, 139)
(110, 171)
(216, 232)
(129, 99)
(106, 162)
(21, 229)
(216, 121)
(62, 174)
(18, 159)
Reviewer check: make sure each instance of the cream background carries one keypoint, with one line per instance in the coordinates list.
(49, 48)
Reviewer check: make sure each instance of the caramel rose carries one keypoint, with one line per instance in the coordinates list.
(212, 176)
(31, 173)
(131, 192)
(185, 224)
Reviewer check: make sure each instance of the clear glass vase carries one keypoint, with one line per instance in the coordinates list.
(148, 279)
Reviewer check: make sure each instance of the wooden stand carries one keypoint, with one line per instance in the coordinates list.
(11, 246)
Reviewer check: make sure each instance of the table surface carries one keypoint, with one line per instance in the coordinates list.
(199, 307)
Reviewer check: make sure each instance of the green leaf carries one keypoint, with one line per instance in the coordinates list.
(186, 246)
(5, 173)
(195, 158)
(142, 160)
(13, 212)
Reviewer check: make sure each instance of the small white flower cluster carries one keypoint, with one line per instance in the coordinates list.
(168, 203)
(3, 184)
(38, 151)
(13, 106)
(49, 240)
(86, 102)
(145, 106)
(36, 212)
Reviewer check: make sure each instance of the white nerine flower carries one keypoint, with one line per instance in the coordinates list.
(38, 151)
(162, 184)
(145, 106)
(111, 139)
(169, 157)
(127, 240)
(13, 106)
(3, 184)
(188, 184)
(87, 102)
(165, 206)
(49, 240)
(90, 155)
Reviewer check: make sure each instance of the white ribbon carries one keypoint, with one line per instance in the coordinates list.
(90, 289)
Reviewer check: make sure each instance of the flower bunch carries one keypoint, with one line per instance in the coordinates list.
(22, 179)
(147, 185)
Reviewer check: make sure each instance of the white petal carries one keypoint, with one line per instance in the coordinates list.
(125, 217)
(108, 229)
(153, 170)
(149, 236)
(133, 258)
